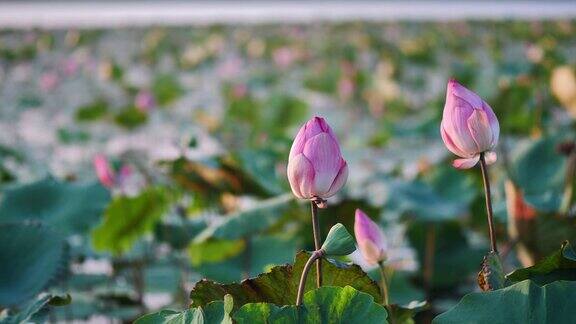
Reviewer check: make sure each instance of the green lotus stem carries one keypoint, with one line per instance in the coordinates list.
(138, 281)
(246, 258)
(569, 183)
(316, 255)
(383, 283)
(429, 256)
(317, 243)
(489, 212)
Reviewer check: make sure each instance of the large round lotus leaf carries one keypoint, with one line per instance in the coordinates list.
(31, 257)
(69, 207)
(523, 302)
(189, 316)
(280, 284)
(323, 305)
(215, 312)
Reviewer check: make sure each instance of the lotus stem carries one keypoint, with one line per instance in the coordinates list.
(383, 283)
(317, 243)
(316, 255)
(489, 212)
(246, 258)
(429, 256)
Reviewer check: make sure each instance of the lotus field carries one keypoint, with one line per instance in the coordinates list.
(394, 172)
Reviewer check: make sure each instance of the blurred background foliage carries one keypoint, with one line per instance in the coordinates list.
(204, 118)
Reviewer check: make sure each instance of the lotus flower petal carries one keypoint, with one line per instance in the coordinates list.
(339, 182)
(479, 127)
(449, 143)
(490, 157)
(301, 176)
(466, 163)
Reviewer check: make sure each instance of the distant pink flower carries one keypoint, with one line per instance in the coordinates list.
(108, 177)
(48, 81)
(230, 68)
(284, 57)
(370, 239)
(239, 91)
(469, 126)
(124, 173)
(104, 171)
(144, 101)
(316, 168)
(70, 66)
(346, 88)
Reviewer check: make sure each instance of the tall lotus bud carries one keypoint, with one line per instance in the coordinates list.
(103, 171)
(370, 239)
(469, 126)
(316, 169)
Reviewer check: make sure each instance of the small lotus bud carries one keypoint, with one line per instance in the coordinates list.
(109, 176)
(370, 239)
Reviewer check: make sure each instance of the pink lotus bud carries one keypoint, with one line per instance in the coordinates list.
(370, 239)
(103, 171)
(144, 101)
(316, 168)
(469, 126)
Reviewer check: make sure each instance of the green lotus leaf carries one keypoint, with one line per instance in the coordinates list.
(323, 305)
(491, 275)
(280, 285)
(189, 316)
(523, 302)
(68, 207)
(539, 170)
(214, 313)
(32, 256)
(248, 222)
(338, 241)
(405, 314)
(129, 218)
(258, 254)
(559, 266)
(34, 309)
